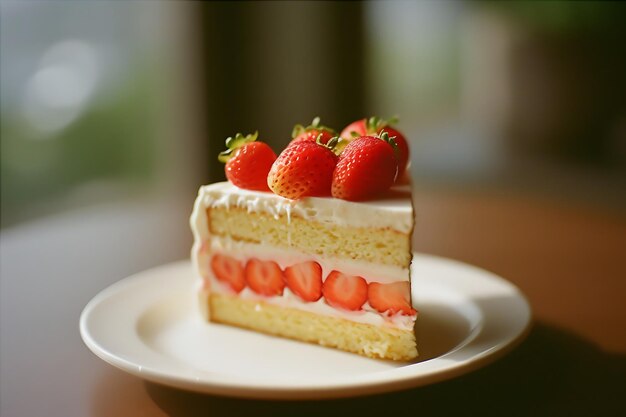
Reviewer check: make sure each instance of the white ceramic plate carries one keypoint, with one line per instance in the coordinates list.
(148, 325)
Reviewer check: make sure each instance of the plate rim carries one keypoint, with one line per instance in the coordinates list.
(402, 380)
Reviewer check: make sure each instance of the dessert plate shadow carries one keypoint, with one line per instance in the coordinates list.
(149, 325)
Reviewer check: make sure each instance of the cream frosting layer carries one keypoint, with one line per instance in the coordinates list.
(394, 210)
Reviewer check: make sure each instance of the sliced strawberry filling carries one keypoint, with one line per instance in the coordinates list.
(264, 277)
(393, 298)
(304, 279)
(229, 271)
(345, 291)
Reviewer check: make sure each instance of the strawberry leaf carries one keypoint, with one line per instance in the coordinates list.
(297, 129)
(390, 140)
(315, 125)
(331, 144)
(340, 146)
(375, 123)
(234, 143)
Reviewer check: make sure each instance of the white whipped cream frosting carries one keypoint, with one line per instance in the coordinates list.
(393, 210)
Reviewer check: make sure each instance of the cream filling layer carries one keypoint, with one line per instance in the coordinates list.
(290, 300)
(242, 251)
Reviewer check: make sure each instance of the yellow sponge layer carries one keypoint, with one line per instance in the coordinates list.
(364, 339)
(385, 246)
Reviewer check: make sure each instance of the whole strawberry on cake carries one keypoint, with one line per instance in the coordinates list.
(313, 244)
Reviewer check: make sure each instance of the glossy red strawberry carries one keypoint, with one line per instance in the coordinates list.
(247, 162)
(375, 126)
(366, 167)
(312, 132)
(393, 298)
(345, 291)
(264, 277)
(229, 271)
(303, 169)
(305, 280)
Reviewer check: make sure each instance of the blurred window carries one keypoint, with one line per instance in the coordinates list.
(86, 101)
(510, 94)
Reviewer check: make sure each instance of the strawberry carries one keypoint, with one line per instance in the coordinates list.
(303, 169)
(229, 271)
(394, 297)
(264, 277)
(247, 162)
(305, 280)
(375, 125)
(402, 148)
(312, 132)
(355, 129)
(366, 167)
(345, 291)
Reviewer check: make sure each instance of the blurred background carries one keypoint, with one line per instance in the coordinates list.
(108, 100)
(112, 114)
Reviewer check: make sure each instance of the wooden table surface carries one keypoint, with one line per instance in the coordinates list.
(568, 259)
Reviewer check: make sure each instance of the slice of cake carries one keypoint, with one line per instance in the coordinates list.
(321, 270)
(316, 269)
